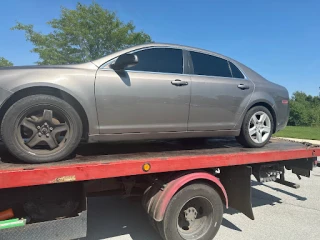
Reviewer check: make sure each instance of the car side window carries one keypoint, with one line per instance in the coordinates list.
(204, 64)
(164, 60)
(236, 73)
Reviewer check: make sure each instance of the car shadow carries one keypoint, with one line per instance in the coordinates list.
(87, 152)
(128, 147)
(6, 157)
(147, 148)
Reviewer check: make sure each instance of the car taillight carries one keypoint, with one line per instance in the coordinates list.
(285, 101)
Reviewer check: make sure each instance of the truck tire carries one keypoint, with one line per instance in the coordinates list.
(257, 128)
(195, 212)
(41, 128)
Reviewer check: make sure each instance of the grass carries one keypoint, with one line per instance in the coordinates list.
(311, 133)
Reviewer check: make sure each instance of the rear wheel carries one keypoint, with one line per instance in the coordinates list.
(257, 127)
(41, 128)
(195, 212)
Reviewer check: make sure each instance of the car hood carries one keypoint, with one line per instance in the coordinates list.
(15, 78)
(89, 65)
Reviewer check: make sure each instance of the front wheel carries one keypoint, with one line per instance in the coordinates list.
(41, 128)
(194, 213)
(257, 127)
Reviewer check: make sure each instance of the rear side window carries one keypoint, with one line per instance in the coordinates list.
(236, 73)
(209, 65)
(165, 60)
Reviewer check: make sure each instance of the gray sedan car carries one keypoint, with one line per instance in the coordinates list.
(151, 91)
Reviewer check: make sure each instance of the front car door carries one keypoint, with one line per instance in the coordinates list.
(219, 95)
(152, 96)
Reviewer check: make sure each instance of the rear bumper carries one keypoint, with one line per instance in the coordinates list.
(281, 126)
(282, 116)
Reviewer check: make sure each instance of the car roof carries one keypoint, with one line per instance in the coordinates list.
(102, 60)
(180, 47)
(248, 72)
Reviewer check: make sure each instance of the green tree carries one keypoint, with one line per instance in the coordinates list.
(5, 63)
(89, 32)
(298, 114)
(304, 110)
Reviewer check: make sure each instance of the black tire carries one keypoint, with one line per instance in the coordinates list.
(17, 113)
(244, 137)
(169, 227)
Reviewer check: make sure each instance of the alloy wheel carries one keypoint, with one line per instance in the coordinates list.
(259, 127)
(43, 130)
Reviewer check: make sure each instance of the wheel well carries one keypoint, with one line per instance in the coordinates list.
(271, 110)
(48, 91)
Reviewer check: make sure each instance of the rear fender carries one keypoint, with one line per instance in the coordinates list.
(157, 197)
(257, 98)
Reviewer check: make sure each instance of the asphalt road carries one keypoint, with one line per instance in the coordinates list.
(281, 213)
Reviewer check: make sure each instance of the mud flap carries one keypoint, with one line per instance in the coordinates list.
(237, 182)
(301, 167)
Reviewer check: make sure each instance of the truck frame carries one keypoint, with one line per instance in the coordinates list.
(183, 184)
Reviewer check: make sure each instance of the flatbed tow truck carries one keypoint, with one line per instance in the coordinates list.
(183, 184)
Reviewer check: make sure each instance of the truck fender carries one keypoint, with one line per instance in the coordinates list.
(157, 197)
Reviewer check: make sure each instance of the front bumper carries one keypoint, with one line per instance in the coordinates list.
(4, 95)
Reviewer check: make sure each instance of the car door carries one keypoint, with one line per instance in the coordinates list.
(219, 94)
(152, 96)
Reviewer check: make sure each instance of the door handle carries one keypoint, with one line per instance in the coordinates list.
(243, 86)
(178, 82)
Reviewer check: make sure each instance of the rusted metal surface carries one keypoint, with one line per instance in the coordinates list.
(125, 159)
(62, 179)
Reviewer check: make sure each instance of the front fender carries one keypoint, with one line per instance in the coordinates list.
(79, 83)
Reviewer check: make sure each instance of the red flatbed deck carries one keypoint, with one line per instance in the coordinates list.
(97, 161)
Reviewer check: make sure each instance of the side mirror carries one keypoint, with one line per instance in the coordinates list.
(125, 60)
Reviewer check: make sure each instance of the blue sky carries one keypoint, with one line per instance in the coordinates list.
(278, 39)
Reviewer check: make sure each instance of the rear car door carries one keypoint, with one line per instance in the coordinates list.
(152, 96)
(219, 93)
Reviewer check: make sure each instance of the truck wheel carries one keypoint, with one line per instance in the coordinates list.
(195, 212)
(257, 128)
(41, 128)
